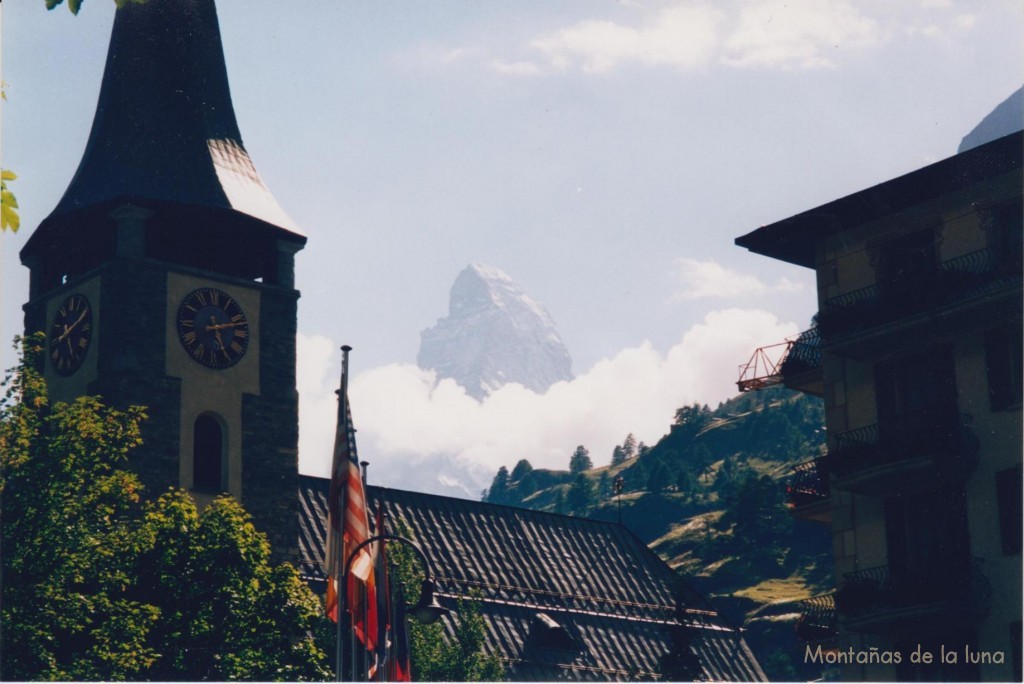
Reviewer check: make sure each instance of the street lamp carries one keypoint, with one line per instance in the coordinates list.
(426, 611)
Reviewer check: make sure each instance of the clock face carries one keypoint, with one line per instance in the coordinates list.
(212, 328)
(70, 334)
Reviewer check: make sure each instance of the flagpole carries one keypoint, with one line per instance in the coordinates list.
(342, 592)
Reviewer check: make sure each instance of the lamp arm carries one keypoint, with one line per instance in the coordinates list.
(381, 537)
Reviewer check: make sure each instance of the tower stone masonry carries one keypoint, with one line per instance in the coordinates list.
(165, 275)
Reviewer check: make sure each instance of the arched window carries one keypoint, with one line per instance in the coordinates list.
(208, 454)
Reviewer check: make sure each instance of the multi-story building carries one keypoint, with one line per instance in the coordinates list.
(917, 354)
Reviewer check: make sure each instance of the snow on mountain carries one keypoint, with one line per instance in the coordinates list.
(494, 334)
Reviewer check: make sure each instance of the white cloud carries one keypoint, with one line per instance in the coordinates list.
(784, 34)
(965, 21)
(797, 33)
(403, 415)
(519, 68)
(709, 279)
(316, 378)
(680, 37)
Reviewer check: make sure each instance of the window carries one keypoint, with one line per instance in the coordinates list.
(208, 454)
(926, 535)
(1011, 510)
(916, 395)
(1003, 352)
(1003, 225)
(905, 260)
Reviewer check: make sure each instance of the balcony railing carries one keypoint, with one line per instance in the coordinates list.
(818, 619)
(783, 363)
(953, 280)
(803, 355)
(872, 597)
(947, 439)
(809, 484)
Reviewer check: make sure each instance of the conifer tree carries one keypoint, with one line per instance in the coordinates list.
(629, 446)
(498, 491)
(522, 469)
(580, 460)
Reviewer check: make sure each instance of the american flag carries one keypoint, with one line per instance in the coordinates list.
(347, 527)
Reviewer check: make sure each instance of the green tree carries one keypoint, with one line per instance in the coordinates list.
(580, 460)
(581, 497)
(99, 583)
(695, 417)
(433, 656)
(660, 479)
(629, 446)
(618, 456)
(9, 218)
(561, 504)
(684, 480)
(757, 512)
(522, 469)
(498, 491)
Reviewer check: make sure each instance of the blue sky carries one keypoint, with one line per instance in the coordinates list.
(603, 154)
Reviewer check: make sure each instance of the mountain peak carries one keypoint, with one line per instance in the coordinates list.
(494, 334)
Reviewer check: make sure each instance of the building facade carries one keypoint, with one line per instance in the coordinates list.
(917, 354)
(165, 275)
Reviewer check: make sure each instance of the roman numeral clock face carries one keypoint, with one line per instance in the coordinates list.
(212, 328)
(70, 334)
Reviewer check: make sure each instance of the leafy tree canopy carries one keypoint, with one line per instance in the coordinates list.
(434, 657)
(101, 584)
(695, 416)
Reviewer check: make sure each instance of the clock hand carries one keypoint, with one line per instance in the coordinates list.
(220, 326)
(69, 328)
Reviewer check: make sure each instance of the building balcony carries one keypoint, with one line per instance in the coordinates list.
(884, 601)
(932, 296)
(818, 619)
(795, 364)
(808, 494)
(900, 456)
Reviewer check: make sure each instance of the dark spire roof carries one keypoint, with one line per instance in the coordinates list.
(165, 129)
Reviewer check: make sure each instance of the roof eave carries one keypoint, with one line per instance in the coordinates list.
(793, 239)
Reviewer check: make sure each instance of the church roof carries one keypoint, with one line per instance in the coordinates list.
(164, 129)
(615, 601)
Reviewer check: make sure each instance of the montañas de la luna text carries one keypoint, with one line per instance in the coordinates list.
(874, 656)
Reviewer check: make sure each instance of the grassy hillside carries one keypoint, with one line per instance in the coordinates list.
(709, 499)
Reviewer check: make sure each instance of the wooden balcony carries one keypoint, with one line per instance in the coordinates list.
(903, 456)
(808, 495)
(879, 600)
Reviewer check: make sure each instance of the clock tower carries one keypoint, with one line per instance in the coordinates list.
(165, 275)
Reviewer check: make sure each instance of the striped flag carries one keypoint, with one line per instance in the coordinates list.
(347, 527)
